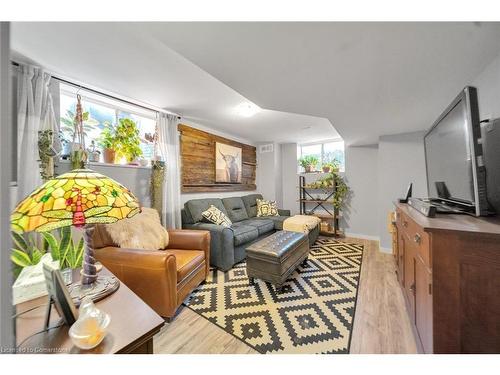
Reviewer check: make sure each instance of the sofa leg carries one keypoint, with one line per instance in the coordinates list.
(169, 320)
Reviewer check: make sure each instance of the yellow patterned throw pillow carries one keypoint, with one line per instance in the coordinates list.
(216, 216)
(266, 208)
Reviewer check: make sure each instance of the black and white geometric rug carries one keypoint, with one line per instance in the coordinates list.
(313, 313)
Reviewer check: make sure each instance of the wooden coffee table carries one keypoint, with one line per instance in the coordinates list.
(133, 325)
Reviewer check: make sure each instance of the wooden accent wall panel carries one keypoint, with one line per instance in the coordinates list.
(197, 149)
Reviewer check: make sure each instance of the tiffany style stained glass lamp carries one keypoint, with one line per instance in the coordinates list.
(80, 198)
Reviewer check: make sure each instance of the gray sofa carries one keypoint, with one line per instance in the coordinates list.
(228, 245)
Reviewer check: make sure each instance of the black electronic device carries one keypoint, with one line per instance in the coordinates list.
(423, 206)
(59, 297)
(456, 174)
(490, 136)
(408, 194)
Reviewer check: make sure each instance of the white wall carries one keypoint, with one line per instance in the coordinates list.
(360, 216)
(488, 89)
(266, 171)
(401, 160)
(289, 178)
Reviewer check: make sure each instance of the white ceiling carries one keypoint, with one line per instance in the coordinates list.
(367, 79)
(126, 58)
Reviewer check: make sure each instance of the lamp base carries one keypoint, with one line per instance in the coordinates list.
(102, 287)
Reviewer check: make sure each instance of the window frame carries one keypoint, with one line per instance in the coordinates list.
(322, 143)
(113, 104)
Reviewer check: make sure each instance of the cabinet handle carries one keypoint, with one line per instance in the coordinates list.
(417, 238)
(413, 288)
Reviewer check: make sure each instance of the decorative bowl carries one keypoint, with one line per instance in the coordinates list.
(91, 327)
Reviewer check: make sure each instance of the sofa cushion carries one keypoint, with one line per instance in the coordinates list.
(187, 261)
(197, 206)
(277, 220)
(244, 233)
(263, 225)
(216, 216)
(250, 202)
(235, 208)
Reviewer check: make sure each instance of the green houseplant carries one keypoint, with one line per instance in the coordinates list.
(29, 248)
(341, 191)
(332, 166)
(308, 162)
(107, 141)
(127, 140)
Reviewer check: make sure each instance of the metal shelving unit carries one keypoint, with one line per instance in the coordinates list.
(309, 205)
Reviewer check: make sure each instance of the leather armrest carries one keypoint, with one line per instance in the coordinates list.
(221, 244)
(151, 274)
(185, 239)
(188, 239)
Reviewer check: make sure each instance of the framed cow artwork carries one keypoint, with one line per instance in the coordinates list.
(228, 164)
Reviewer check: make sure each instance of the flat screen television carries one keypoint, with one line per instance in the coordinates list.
(453, 157)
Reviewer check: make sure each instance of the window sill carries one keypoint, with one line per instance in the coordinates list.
(108, 165)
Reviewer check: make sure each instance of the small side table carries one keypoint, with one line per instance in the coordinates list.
(133, 325)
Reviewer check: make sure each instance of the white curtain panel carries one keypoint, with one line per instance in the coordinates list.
(168, 145)
(35, 112)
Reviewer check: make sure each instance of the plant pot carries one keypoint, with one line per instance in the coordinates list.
(308, 168)
(326, 169)
(109, 155)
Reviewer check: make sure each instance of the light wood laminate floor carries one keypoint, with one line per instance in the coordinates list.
(381, 324)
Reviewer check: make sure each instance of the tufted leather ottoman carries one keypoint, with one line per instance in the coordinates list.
(274, 258)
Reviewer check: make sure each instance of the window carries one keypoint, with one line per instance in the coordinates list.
(101, 112)
(325, 152)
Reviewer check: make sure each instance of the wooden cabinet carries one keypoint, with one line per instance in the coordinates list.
(449, 270)
(423, 303)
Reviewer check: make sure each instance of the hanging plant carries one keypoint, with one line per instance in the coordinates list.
(46, 154)
(341, 191)
(78, 155)
(157, 176)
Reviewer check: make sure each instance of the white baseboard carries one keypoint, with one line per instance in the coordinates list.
(387, 250)
(362, 236)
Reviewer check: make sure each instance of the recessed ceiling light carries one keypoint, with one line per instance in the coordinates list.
(247, 109)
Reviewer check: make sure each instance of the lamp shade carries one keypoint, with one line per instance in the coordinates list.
(76, 198)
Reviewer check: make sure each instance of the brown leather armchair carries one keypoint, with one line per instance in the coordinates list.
(162, 278)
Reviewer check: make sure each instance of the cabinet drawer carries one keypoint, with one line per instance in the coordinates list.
(415, 234)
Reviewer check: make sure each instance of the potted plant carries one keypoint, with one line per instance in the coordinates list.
(107, 142)
(308, 162)
(28, 249)
(332, 166)
(68, 130)
(327, 167)
(127, 140)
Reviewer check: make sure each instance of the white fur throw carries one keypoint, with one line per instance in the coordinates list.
(142, 231)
